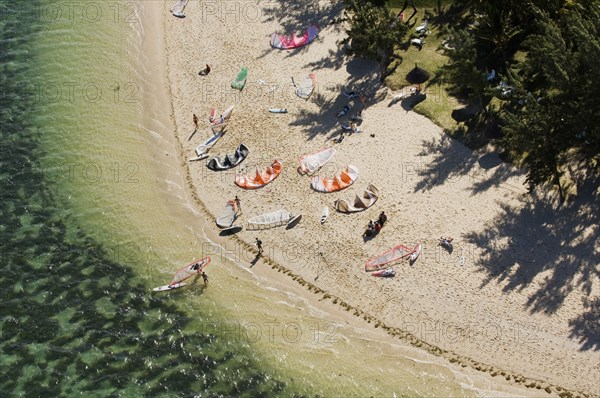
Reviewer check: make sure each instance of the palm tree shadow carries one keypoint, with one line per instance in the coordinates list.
(553, 250)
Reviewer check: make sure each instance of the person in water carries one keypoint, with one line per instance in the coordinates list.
(205, 278)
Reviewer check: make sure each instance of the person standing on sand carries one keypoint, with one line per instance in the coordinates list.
(196, 121)
(238, 205)
(259, 246)
(205, 278)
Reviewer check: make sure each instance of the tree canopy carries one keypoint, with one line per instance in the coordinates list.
(551, 122)
(374, 32)
(548, 115)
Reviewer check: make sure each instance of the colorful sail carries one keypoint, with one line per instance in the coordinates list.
(240, 80)
(287, 42)
(389, 256)
(189, 270)
(338, 182)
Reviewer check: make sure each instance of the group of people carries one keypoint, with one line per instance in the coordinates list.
(373, 228)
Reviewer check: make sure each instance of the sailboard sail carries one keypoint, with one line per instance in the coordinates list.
(189, 270)
(381, 261)
(228, 215)
(306, 88)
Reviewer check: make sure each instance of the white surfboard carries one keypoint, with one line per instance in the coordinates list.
(416, 253)
(324, 214)
(168, 287)
(203, 156)
(278, 110)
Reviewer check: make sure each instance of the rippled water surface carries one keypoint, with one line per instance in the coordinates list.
(94, 214)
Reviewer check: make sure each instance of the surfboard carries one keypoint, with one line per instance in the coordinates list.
(278, 110)
(293, 221)
(203, 156)
(169, 287)
(324, 214)
(388, 272)
(413, 257)
(178, 8)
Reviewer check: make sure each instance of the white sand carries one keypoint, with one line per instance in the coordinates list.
(430, 186)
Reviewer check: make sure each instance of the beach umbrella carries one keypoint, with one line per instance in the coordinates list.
(417, 75)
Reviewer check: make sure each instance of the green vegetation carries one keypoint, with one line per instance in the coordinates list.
(374, 32)
(439, 104)
(523, 74)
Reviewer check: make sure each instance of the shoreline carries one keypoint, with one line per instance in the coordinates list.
(279, 259)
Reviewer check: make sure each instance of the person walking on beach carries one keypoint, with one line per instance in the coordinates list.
(195, 121)
(238, 205)
(259, 246)
(205, 278)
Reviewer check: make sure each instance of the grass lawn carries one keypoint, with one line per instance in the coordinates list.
(439, 104)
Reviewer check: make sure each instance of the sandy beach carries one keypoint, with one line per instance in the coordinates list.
(493, 304)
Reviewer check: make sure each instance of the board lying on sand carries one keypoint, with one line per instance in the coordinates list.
(415, 254)
(324, 215)
(314, 161)
(278, 110)
(385, 273)
(184, 273)
(178, 8)
(294, 221)
(206, 145)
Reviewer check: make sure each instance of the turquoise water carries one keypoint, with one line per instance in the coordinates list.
(94, 214)
(75, 320)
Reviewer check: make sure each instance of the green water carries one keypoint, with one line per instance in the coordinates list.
(75, 319)
(94, 214)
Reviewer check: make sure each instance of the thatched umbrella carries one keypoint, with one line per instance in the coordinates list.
(417, 75)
